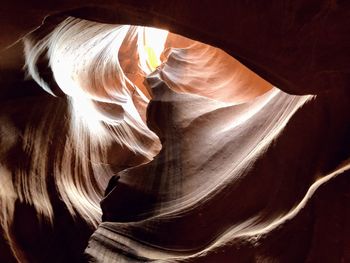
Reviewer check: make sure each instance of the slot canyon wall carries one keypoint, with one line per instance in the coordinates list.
(263, 178)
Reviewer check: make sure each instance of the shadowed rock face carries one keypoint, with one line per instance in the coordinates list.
(202, 199)
(262, 181)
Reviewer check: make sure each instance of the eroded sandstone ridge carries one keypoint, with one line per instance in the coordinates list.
(132, 144)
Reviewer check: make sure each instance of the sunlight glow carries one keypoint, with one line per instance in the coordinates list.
(151, 43)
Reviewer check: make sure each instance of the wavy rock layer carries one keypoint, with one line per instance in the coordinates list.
(259, 179)
(230, 183)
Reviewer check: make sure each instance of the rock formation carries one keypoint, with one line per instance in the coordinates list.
(230, 145)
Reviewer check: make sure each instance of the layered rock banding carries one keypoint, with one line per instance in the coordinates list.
(243, 170)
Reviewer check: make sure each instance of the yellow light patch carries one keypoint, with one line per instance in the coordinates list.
(152, 58)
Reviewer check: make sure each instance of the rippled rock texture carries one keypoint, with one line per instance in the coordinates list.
(185, 157)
